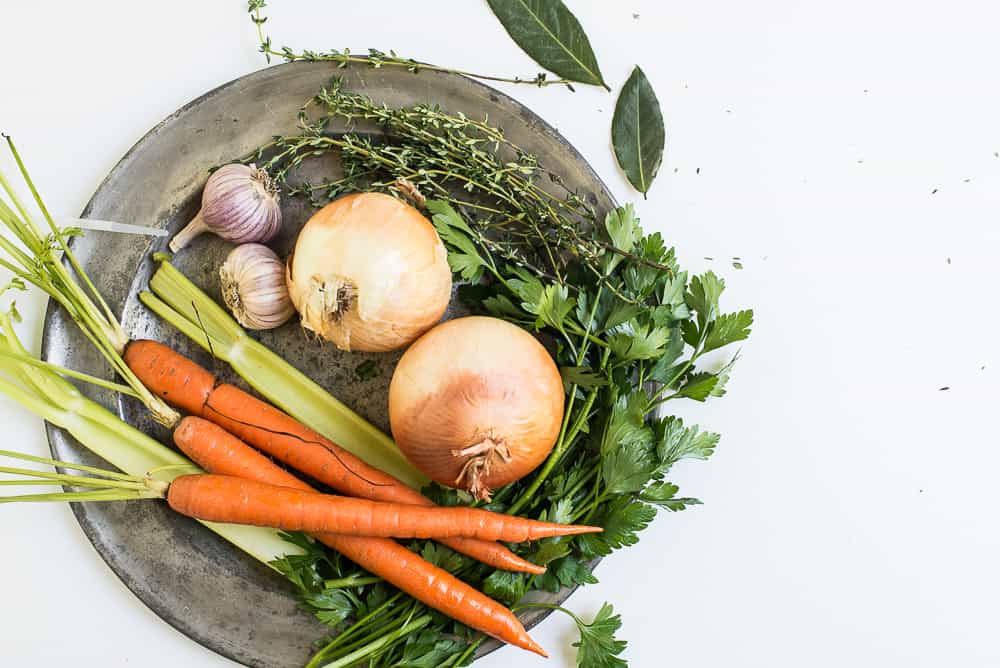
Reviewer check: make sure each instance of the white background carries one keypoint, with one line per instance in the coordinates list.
(850, 512)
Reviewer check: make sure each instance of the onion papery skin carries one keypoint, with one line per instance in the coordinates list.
(476, 387)
(369, 273)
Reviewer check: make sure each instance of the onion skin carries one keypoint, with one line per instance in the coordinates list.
(369, 273)
(476, 403)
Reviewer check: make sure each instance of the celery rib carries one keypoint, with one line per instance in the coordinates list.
(183, 304)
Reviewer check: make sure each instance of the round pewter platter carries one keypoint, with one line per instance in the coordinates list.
(191, 578)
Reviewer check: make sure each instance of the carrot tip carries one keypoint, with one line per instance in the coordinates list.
(532, 646)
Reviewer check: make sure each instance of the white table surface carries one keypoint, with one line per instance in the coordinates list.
(848, 155)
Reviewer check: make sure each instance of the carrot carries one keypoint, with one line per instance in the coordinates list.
(223, 498)
(218, 451)
(186, 385)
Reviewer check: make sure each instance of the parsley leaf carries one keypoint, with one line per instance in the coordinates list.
(727, 329)
(505, 586)
(553, 307)
(622, 520)
(581, 376)
(566, 572)
(675, 442)
(441, 556)
(331, 606)
(463, 258)
(662, 371)
(663, 494)
(598, 647)
(429, 649)
(623, 231)
(638, 342)
(627, 460)
(703, 297)
(698, 386)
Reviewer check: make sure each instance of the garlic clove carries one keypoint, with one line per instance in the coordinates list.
(239, 203)
(254, 287)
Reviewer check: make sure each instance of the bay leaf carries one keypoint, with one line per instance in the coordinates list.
(548, 32)
(637, 131)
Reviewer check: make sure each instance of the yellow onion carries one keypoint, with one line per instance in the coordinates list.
(476, 403)
(369, 273)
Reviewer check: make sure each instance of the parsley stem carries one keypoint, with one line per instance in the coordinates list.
(351, 581)
(376, 646)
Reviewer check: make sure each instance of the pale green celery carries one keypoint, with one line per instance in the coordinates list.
(181, 303)
(57, 401)
(47, 262)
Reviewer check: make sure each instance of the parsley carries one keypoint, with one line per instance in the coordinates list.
(598, 646)
(628, 327)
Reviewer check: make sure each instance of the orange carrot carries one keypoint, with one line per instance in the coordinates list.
(223, 498)
(218, 451)
(185, 385)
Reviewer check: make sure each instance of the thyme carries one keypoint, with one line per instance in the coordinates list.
(376, 58)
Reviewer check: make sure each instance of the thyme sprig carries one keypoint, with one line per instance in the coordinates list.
(376, 58)
(524, 212)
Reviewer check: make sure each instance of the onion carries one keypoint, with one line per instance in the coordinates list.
(369, 273)
(476, 403)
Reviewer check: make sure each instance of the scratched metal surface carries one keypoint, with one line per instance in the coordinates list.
(187, 575)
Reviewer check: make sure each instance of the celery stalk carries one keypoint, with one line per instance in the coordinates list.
(42, 391)
(185, 306)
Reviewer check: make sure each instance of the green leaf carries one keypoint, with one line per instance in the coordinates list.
(675, 442)
(723, 378)
(331, 606)
(727, 329)
(703, 297)
(663, 494)
(622, 520)
(554, 306)
(502, 307)
(627, 459)
(429, 649)
(637, 131)
(581, 376)
(567, 572)
(638, 342)
(622, 313)
(441, 556)
(505, 586)
(549, 551)
(623, 227)
(528, 289)
(663, 371)
(548, 32)
(598, 647)
(698, 386)
(463, 256)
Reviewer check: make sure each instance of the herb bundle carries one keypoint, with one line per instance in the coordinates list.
(627, 326)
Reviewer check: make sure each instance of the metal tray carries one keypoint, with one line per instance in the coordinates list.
(187, 575)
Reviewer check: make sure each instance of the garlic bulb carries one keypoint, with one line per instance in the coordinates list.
(476, 403)
(239, 204)
(369, 273)
(253, 287)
